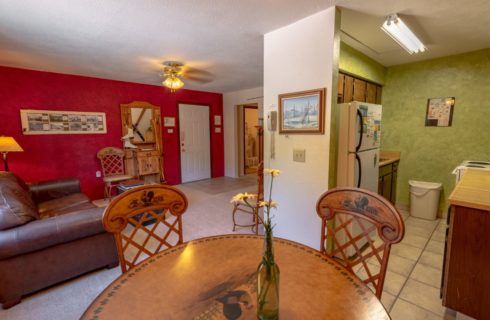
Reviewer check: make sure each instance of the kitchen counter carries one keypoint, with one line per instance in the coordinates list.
(473, 191)
(466, 256)
(388, 157)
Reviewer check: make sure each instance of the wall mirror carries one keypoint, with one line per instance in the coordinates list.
(142, 121)
(142, 139)
(141, 124)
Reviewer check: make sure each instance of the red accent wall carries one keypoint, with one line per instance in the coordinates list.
(59, 156)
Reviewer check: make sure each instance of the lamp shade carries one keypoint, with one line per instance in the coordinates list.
(8, 144)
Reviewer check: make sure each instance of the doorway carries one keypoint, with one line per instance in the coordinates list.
(251, 139)
(195, 153)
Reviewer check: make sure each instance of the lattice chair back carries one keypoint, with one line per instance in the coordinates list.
(358, 229)
(144, 221)
(112, 161)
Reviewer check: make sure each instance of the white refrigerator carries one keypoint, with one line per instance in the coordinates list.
(358, 157)
(358, 149)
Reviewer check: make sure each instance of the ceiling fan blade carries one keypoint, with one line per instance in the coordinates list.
(198, 75)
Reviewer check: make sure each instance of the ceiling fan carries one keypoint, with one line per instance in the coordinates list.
(175, 71)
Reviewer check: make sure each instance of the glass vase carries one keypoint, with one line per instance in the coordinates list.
(268, 283)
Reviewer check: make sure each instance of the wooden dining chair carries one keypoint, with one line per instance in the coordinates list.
(241, 208)
(112, 162)
(144, 221)
(358, 229)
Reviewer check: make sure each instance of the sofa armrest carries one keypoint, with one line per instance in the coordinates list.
(41, 234)
(53, 189)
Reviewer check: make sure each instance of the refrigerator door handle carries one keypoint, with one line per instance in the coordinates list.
(359, 114)
(358, 159)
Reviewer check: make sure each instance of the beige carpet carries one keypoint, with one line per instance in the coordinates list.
(209, 214)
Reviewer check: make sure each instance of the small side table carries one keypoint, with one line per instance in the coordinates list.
(128, 185)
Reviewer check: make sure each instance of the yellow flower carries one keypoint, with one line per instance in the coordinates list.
(269, 204)
(273, 172)
(241, 197)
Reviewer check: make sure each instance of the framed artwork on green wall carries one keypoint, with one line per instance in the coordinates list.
(439, 112)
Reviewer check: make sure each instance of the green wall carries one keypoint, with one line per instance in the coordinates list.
(431, 153)
(356, 63)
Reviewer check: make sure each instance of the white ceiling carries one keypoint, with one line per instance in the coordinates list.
(446, 27)
(127, 40)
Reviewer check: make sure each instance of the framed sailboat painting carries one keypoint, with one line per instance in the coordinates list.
(302, 112)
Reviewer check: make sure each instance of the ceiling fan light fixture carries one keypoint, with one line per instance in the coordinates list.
(398, 31)
(173, 82)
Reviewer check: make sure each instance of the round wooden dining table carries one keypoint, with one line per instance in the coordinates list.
(215, 278)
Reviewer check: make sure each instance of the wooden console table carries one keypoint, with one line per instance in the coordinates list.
(215, 278)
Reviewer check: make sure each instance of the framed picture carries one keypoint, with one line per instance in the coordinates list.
(217, 120)
(169, 121)
(62, 122)
(439, 112)
(302, 112)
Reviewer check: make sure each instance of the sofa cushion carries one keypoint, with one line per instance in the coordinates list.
(62, 211)
(16, 205)
(7, 175)
(45, 233)
(55, 207)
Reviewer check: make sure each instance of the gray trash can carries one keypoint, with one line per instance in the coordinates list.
(424, 199)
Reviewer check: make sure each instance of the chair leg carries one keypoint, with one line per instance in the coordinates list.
(235, 207)
(110, 192)
(106, 190)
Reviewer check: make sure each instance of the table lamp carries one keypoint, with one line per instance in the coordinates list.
(8, 144)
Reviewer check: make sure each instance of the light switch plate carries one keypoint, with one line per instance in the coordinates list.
(299, 155)
(98, 174)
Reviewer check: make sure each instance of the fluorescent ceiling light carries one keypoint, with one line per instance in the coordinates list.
(398, 31)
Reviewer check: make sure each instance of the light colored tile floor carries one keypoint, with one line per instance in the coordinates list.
(411, 286)
(419, 297)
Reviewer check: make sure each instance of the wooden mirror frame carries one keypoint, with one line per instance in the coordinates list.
(126, 121)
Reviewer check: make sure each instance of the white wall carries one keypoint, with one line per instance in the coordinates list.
(230, 101)
(299, 57)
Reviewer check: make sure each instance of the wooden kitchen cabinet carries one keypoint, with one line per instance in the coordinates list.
(388, 175)
(359, 90)
(371, 92)
(351, 88)
(348, 89)
(466, 278)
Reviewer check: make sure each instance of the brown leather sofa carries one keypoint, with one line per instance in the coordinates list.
(49, 232)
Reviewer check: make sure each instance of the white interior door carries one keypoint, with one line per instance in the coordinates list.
(195, 154)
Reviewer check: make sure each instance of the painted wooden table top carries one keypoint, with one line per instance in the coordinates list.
(214, 278)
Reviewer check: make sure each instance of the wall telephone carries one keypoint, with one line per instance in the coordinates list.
(272, 120)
